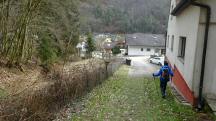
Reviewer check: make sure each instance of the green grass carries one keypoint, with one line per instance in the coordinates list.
(122, 98)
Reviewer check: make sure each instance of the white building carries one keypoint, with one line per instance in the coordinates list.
(139, 44)
(81, 47)
(187, 42)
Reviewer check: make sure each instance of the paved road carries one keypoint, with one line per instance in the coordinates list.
(141, 67)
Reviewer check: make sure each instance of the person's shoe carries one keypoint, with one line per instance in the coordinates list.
(163, 96)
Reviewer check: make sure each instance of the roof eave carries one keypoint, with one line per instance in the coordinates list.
(181, 7)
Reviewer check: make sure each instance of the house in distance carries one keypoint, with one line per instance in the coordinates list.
(140, 44)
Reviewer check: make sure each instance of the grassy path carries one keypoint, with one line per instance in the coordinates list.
(130, 99)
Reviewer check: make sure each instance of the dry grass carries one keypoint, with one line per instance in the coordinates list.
(35, 97)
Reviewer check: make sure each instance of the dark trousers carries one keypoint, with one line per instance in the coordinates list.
(163, 85)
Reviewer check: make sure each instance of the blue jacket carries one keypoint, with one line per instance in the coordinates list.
(161, 72)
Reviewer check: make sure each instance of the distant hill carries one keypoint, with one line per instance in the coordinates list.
(125, 16)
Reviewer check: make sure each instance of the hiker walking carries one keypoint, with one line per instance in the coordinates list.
(164, 73)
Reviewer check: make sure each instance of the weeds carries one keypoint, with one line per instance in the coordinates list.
(40, 101)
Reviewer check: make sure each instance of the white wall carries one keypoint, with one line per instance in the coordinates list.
(210, 69)
(191, 23)
(185, 25)
(198, 60)
(136, 51)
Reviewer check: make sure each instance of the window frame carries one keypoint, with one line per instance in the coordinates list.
(172, 43)
(167, 43)
(182, 47)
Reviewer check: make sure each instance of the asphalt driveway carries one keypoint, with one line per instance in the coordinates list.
(140, 67)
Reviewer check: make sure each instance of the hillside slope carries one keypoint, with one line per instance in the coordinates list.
(128, 16)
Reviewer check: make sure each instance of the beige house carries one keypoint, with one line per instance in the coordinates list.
(191, 49)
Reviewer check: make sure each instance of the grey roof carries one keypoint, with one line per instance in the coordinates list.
(153, 40)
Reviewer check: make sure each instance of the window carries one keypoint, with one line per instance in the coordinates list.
(167, 43)
(157, 58)
(172, 43)
(182, 46)
(141, 49)
(163, 51)
(157, 50)
(148, 49)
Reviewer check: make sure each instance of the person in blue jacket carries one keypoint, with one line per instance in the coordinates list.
(164, 73)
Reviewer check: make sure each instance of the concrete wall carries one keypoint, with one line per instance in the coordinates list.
(185, 25)
(210, 69)
(191, 24)
(136, 51)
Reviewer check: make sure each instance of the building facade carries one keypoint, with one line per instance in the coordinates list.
(140, 44)
(186, 37)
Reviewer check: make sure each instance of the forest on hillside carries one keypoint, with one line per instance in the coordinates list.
(38, 30)
(46, 30)
(38, 40)
(125, 16)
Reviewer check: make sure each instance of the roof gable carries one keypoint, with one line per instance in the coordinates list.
(153, 40)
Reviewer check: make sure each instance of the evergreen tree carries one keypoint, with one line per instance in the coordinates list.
(47, 52)
(116, 50)
(90, 44)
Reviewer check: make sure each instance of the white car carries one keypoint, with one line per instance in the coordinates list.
(157, 60)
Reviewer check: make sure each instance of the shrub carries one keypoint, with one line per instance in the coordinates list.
(47, 51)
(116, 50)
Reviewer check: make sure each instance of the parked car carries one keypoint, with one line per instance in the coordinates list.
(157, 60)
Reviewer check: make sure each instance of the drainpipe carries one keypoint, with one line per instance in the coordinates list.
(208, 18)
(165, 42)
